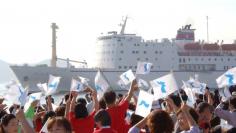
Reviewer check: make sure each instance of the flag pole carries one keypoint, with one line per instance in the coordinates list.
(171, 71)
(105, 78)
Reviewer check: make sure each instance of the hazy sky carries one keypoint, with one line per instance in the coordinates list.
(25, 34)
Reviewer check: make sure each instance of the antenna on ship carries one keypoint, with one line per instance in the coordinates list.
(122, 31)
(207, 30)
(54, 49)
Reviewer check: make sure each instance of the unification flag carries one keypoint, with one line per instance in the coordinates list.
(144, 103)
(227, 79)
(143, 67)
(196, 86)
(143, 84)
(76, 85)
(189, 93)
(84, 80)
(164, 86)
(101, 84)
(52, 84)
(16, 94)
(224, 93)
(127, 77)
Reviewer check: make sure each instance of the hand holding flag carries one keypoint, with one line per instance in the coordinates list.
(144, 104)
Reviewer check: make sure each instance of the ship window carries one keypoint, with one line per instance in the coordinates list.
(146, 44)
(152, 67)
(130, 67)
(156, 52)
(137, 52)
(120, 67)
(135, 67)
(180, 60)
(156, 59)
(196, 59)
(215, 59)
(112, 52)
(160, 52)
(221, 59)
(137, 44)
(121, 44)
(209, 59)
(125, 67)
(184, 60)
(228, 59)
(138, 58)
(120, 58)
(121, 51)
(189, 59)
(144, 52)
(202, 59)
(146, 59)
(133, 52)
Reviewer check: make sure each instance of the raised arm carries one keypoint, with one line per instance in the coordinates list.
(185, 109)
(209, 98)
(72, 105)
(95, 100)
(133, 87)
(25, 125)
(49, 103)
(68, 103)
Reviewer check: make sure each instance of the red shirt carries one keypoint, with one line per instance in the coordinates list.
(105, 130)
(82, 125)
(117, 115)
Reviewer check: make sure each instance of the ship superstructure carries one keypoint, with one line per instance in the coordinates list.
(118, 52)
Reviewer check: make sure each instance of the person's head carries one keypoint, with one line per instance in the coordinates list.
(232, 103)
(102, 104)
(109, 97)
(82, 101)
(102, 118)
(59, 125)
(52, 99)
(205, 111)
(60, 111)
(9, 124)
(134, 119)
(67, 96)
(13, 108)
(183, 124)
(176, 99)
(49, 114)
(159, 121)
(80, 111)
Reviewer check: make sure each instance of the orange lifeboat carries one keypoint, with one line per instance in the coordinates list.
(229, 47)
(211, 47)
(192, 46)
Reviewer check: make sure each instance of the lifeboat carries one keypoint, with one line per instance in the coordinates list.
(228, 47)
(211, 47)
(192, 46)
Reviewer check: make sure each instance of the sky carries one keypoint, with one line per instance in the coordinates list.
(25, 33)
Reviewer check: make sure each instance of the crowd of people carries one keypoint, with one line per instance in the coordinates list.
(210, 114)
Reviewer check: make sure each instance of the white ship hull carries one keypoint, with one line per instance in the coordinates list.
(30, 76)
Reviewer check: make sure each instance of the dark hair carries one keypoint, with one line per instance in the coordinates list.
(102, 104)
(103, 117)
(159, 121)
(215, 121)
(134, 119)
(13, 107)
(82, 101)
(2, 113)
(109, 97)
(5, 121)
(52, 99)
(202, 106)
(176, 99)
(80, 111)
(67, 95)
(60, 111)
(61, 122)
(49, 114)
(232, 101)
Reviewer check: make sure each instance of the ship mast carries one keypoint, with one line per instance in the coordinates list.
(207, 30)
(54, 52)
(122, 31)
